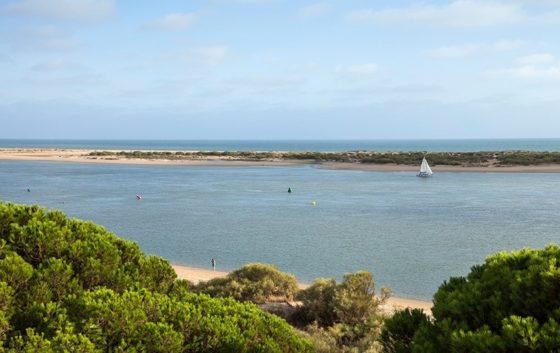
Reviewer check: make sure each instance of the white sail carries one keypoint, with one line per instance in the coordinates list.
(425, 169)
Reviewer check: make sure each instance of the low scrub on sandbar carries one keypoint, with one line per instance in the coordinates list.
(466, 159)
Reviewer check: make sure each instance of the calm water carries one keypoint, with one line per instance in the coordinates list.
(411, 233)
(298, 145)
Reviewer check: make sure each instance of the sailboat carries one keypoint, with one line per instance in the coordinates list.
(425, 170)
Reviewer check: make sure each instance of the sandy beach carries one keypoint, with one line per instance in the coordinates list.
(197, 275)
(82, 156)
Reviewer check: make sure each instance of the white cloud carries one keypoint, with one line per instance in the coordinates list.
(361, 69)
(89, 10)
(536, 59)
(464, 50)
(246, 2)
(268, 81)
(48, 38)
(251, 1)
(459, 13)
(541, 66)
(538, 2)
(211, 55)
(531, 72)
(50, 65)
(173, 21)
(454, 51)
(80, 80)
(505, 45)
(314, 10)
(4, 59)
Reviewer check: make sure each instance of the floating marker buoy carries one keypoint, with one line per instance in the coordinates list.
(289, 190)
(313, 203)
(138, 197)
(28, 190)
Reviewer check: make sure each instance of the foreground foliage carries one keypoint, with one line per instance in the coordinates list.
(71, 286)
(511, 303)
(343, 317)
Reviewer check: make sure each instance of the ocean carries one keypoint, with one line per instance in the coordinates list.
(465, 145)
(411, 233)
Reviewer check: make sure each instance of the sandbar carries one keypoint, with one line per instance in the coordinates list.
(82, 156)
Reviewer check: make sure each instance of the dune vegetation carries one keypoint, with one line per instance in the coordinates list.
(466, 159)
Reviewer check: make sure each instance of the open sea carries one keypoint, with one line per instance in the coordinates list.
(411, 233)
(466, 145)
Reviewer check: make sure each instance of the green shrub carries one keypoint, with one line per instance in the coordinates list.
(399, 330)
(347, 313)
(68, 286)
(351, 302)
(318, 303)
(257, 283)
(508, 304)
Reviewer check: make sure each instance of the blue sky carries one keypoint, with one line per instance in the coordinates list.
(279, 69)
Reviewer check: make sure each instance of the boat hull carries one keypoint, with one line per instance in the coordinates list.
(423, 175)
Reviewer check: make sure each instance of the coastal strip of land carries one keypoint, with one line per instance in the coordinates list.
(85, 156)
(494, 162)
(197, 275)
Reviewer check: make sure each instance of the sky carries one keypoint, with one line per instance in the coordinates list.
(279, 69)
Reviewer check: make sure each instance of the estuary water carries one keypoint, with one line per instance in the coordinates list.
(411, 233)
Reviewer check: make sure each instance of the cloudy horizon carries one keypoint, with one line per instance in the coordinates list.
(278, 69)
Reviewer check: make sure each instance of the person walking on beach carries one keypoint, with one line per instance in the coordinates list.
(213, 264)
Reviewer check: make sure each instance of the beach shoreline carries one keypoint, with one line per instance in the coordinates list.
(197, 275)
(83, 156)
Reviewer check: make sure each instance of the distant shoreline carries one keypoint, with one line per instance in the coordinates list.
(196, 275)
(231, 160)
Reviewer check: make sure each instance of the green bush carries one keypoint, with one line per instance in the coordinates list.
(398, 331)
(257, 283)
(511, 303)
(68, 286)
(347, 313)
(351, 302)
(318, 303)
